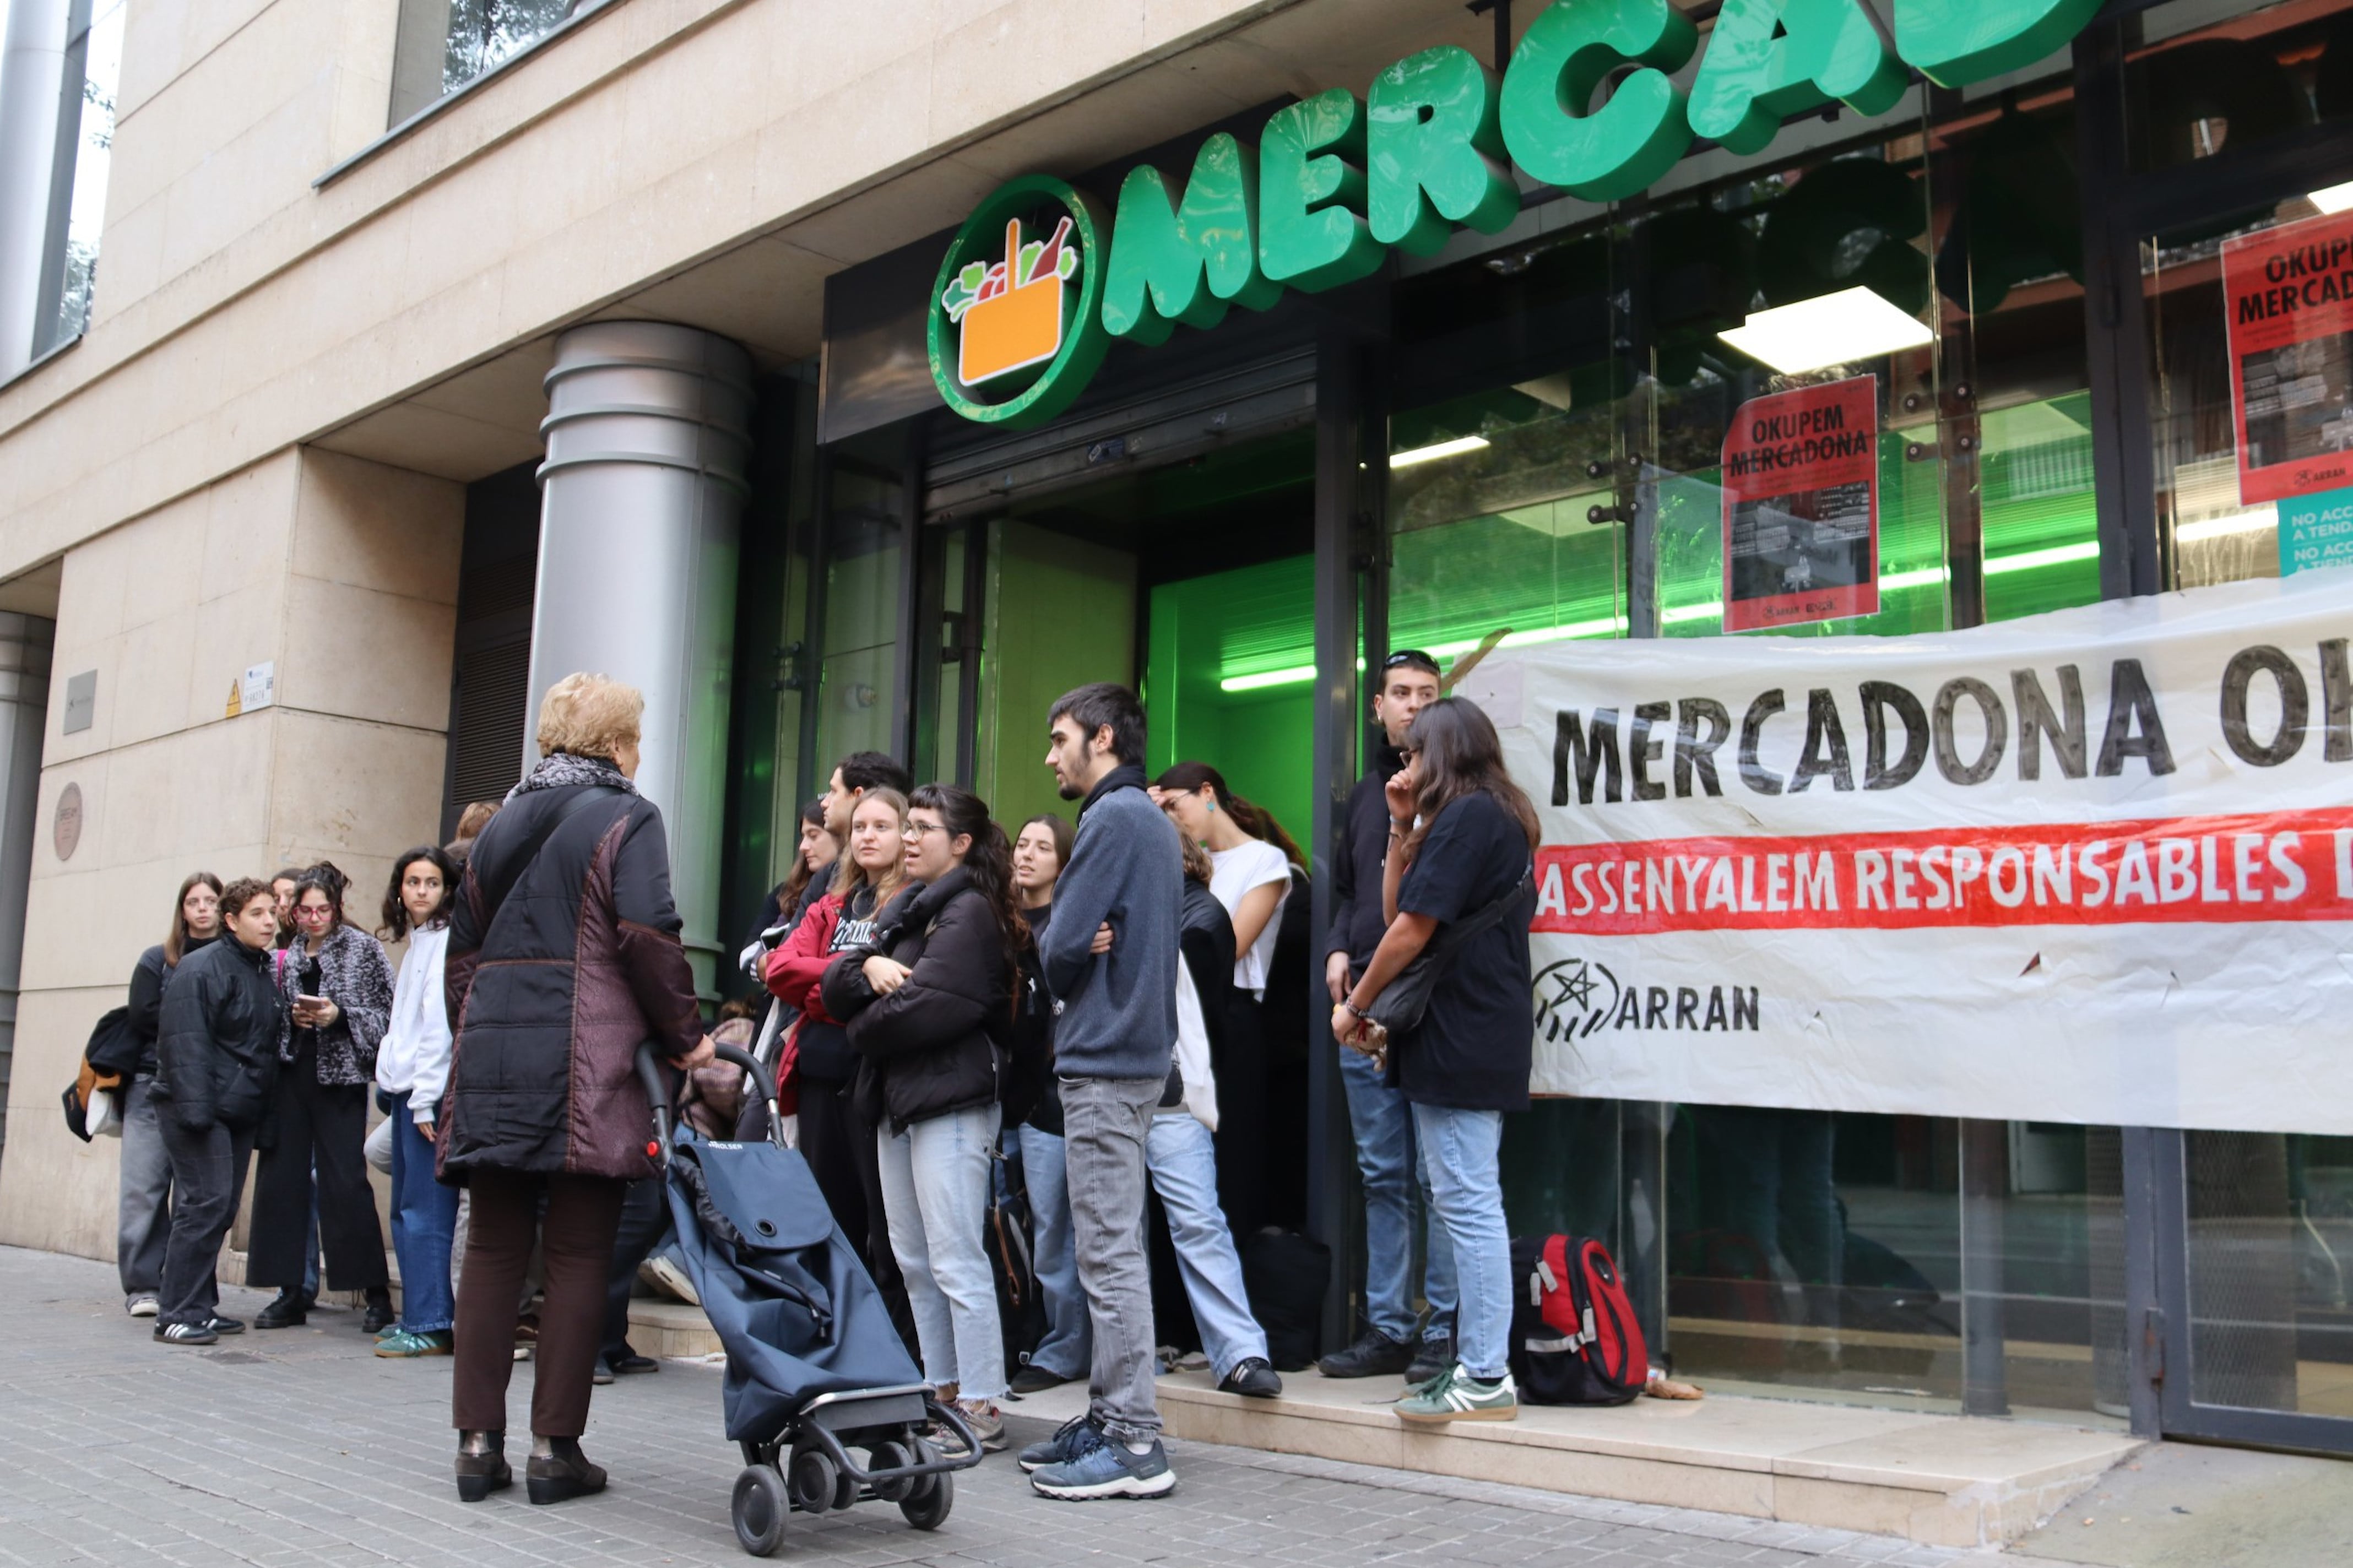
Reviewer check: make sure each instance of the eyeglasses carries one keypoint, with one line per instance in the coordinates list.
(313, 913)
(1412, 656)
(917, 830)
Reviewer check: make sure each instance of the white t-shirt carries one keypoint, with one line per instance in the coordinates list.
(1233, 873)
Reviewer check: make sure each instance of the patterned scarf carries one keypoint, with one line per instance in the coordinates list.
(564, 769)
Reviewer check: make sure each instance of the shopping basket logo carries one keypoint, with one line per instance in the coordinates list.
(1008, 313)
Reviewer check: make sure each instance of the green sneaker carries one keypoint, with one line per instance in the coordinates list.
(1455, 1395)
(402, 1343)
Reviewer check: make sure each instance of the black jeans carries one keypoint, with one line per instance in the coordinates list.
(645, 1220)
(323, 1126)
(208, 1179)
(839, 1145)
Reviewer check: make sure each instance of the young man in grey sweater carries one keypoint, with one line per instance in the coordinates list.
(1109, 958)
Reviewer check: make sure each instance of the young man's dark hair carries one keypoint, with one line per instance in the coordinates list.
(875, 770)
(1100, 703)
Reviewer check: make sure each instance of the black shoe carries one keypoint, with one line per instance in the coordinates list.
(480, 1475)
(600, 1375)
(379, 1315)
(631, 1364)
(1253, 1379)
(286, 1310)
(185, 1334)
(1035, 1379)
(562, 1475)
(1430, 1358)
(1374, 1355)
(221, 1325)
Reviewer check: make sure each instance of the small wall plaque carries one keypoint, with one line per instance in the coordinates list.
(66, 830)
(81, 701)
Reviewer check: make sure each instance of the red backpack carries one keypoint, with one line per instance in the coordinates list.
(1574, 1337)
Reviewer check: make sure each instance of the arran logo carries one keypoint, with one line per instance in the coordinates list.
(1008, 313)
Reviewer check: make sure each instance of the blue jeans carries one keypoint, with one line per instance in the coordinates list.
(1388, 1159)
(1069, 1344)
(1458, 1151)
(935, 1177)
(424, 1219)
(1183, 1165)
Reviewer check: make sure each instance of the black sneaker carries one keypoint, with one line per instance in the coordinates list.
(634, 1364)
(1374, 1355)
(1035, 1379)
(221, 1325)
(1432, 1357)
(186, 1334)
(1074, 1437)
(1253, 1379)
(379, 1315)
(286, 1311)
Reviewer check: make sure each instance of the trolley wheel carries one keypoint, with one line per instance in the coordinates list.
(892, 1456)
(760, 1507)
(930, 1498)
(815, 1479)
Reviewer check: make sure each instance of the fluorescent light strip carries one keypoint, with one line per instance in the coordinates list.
(2252, 522)
(2333, 198)
(1679, 615)
(1430, 454)
(1845, 328)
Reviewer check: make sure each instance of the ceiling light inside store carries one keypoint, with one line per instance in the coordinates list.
(1430, 454)
(1835, 328)
(2333, 198)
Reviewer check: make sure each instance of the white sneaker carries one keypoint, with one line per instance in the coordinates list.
(670, 1276)
(141, 1306)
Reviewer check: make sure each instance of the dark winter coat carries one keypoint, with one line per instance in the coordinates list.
(1033, 1095)
(563, 957)
(354, 974)
(1206, 941)
(145, 1015)
(217, 1047)
(1358, 925)
(938, 1043)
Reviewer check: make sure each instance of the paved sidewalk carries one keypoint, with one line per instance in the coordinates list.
(299, 1448)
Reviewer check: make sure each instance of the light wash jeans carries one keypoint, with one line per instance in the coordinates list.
(1183, 1161)
(1069, 1344)
(1105, 1123)
(424, 1222)
(1388, 1159)
(1458, 1151)
(143, 1213)
(935, 1177)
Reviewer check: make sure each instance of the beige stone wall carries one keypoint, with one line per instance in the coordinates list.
(345, 574)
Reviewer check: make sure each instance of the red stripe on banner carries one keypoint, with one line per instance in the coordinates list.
(2260, 866)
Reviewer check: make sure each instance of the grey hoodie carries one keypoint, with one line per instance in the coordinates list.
(1116, 1012)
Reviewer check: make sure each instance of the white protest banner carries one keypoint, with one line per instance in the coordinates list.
(2094, 866)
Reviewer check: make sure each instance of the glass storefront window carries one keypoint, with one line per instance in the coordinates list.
(2270, 1271)
(864, 522)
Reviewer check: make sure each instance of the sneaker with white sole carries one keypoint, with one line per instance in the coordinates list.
(1108, 1470)
(1071, 1439)
(670, 1276)
(140, 1306)
(186, 1334)
(1456, 1396)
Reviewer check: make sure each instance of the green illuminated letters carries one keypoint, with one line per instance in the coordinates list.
(1630, 141)
(1311, 186)
(1954, 42)
(1160, 259)
(1437, 158)
(1769, 60)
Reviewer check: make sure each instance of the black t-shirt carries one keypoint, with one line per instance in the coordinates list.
(1474, 1047)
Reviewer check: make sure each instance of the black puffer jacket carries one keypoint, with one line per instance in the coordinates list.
(938, 1043)
(217, 1048)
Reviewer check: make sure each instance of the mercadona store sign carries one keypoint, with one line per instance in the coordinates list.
(1025, 307)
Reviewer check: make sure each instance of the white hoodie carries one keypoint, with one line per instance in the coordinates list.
(414, 1058)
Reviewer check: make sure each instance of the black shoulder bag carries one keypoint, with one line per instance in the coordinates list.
(1404, 999)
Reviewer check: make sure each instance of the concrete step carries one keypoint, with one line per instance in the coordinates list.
(1939, 1480)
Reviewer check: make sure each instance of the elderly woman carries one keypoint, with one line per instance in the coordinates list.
(563, 955)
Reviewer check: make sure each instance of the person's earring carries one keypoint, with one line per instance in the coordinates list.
(1213, 808)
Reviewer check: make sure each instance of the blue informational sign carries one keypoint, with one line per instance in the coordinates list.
(2315, 530)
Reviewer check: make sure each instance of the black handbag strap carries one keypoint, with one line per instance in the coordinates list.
(495, 899)
(1479, 920)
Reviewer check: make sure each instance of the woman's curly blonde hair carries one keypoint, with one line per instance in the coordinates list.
(590, 716)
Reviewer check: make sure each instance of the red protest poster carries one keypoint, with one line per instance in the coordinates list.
(2288, 296)
(1801, 506)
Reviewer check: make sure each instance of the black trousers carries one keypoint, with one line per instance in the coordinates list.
(645, 1220)
(208, 1179)
(839, 1145)
(1243, 1125)
(325, 1126)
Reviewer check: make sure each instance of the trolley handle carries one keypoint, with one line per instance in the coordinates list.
(663, 1098)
